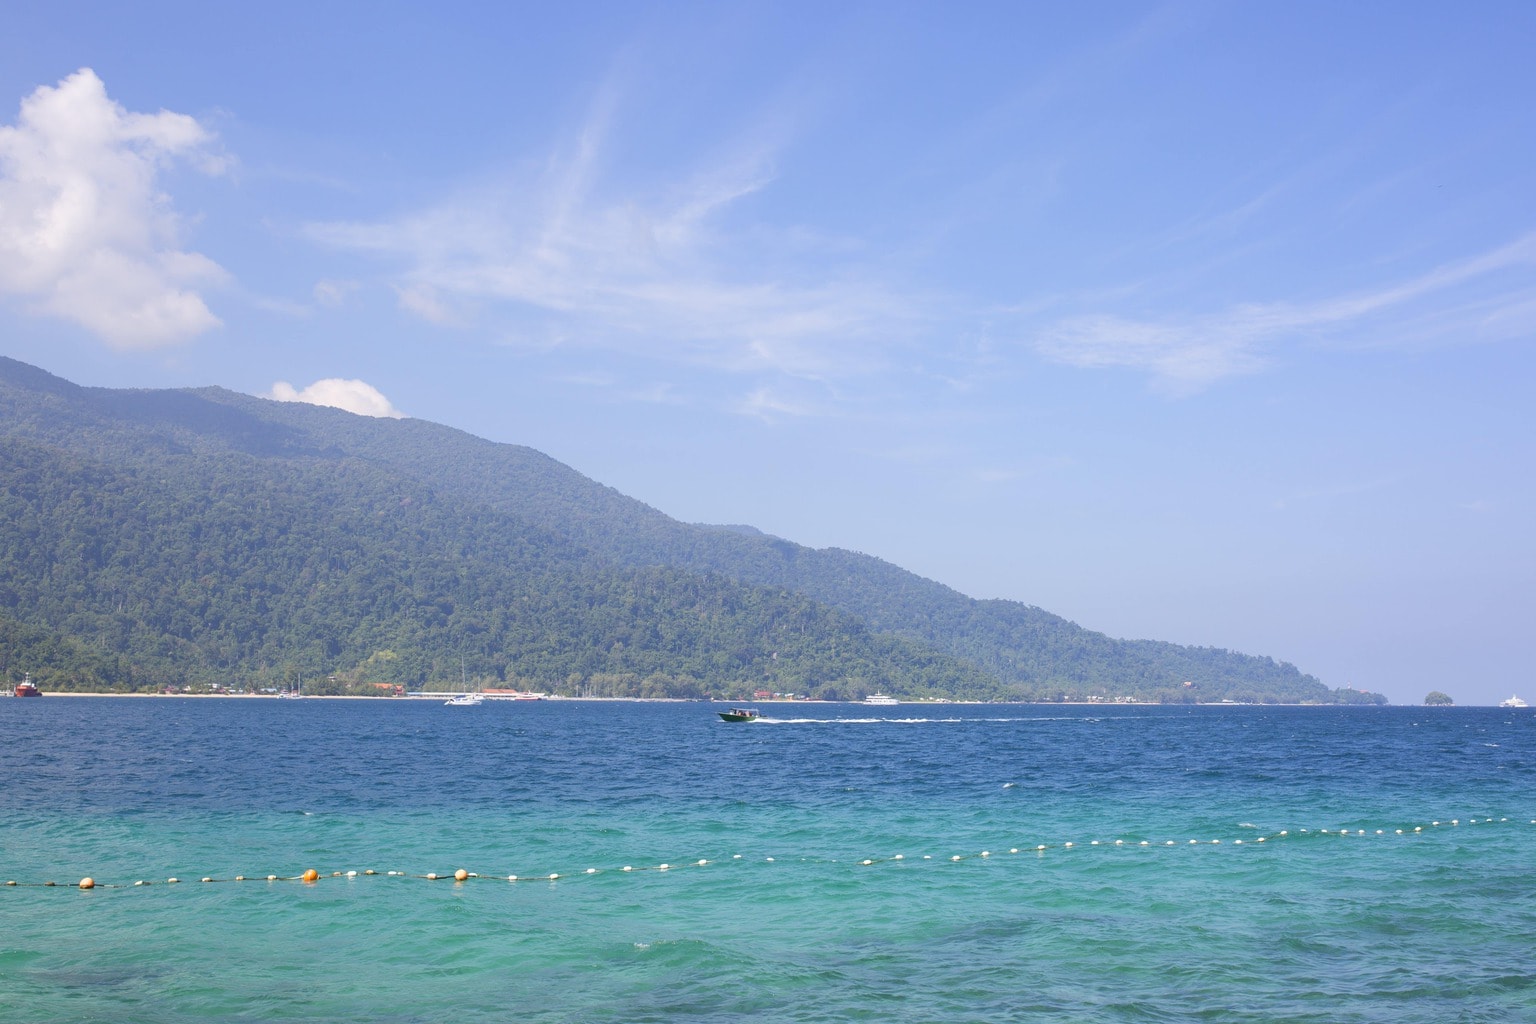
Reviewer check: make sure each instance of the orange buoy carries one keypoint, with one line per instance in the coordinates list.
(310, 875)
(87, 883)
(460, 875)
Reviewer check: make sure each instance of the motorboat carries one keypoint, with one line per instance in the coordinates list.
(739, 715)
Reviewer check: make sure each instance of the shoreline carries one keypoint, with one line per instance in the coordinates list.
(721, 700)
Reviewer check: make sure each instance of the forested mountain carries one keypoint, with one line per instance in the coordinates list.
(170, 537)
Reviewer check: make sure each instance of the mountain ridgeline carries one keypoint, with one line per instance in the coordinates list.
(202, 537)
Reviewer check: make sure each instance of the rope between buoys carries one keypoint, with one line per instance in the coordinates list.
(461, 875)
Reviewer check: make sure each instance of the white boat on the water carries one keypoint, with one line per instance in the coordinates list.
(881, 699)
(469, 698)
(1513, 702)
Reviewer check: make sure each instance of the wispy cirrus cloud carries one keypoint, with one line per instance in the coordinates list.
(1187, 354)
(86, 235)
(558, 256)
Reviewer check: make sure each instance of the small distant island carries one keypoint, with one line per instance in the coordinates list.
(204, 541)
(1437, 699)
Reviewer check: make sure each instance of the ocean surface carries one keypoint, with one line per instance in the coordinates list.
(1024, 863)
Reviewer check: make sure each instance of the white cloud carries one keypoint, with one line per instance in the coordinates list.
(333, 293)
(767, 404)
(1188, 354)
(658, 270)
(85, 233)
(424, 301)
(351, 395)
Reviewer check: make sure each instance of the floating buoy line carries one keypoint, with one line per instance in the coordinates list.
(461, 876)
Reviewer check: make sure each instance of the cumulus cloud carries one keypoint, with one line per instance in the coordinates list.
(86, 234)
(353, 396)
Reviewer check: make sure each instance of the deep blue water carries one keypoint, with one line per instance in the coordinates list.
(1401, 919)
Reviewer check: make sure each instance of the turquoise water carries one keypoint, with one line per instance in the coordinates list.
(783, 921)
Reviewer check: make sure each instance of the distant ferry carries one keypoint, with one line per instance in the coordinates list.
(1513, 702)
(26, 688)
(880, 698)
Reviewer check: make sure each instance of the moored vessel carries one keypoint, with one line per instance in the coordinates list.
(26, 688)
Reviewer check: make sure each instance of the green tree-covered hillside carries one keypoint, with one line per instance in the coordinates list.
(153, 538)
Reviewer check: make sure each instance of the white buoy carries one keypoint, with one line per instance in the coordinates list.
(591, 871)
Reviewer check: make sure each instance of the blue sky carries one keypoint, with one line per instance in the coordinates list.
(1202, 322)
